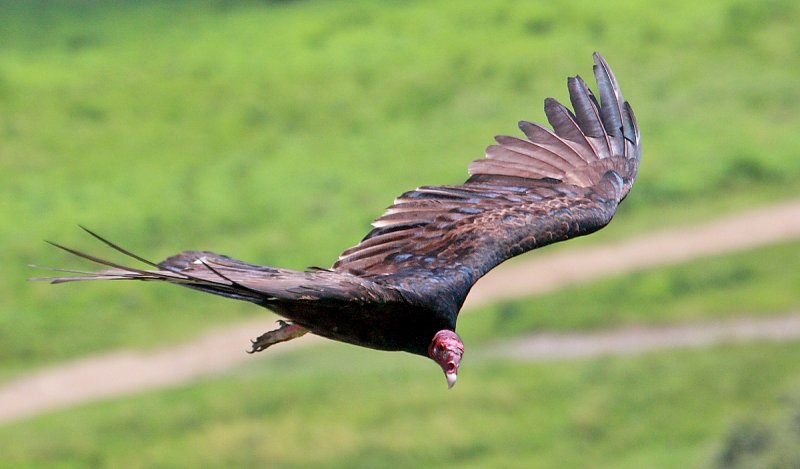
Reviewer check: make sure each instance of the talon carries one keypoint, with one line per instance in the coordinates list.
(285, 331)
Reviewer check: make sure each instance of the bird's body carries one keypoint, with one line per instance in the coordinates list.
(402, 286)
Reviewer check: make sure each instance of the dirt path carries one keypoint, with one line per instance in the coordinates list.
(122, 373)
(544, 272)
(642, 339)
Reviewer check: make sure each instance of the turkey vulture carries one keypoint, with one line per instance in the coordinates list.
(402, 286)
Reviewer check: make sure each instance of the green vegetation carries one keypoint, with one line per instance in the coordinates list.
(758, 442)
(336, 407)
(274, 131)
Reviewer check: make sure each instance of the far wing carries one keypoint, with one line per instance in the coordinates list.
(436, 241)
(232, 278)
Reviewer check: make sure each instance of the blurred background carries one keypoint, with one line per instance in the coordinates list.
(275, 131)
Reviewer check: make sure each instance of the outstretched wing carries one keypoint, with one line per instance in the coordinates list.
(437, 241)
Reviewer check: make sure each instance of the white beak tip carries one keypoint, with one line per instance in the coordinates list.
(451, 379)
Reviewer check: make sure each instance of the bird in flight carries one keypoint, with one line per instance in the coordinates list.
(401, 287)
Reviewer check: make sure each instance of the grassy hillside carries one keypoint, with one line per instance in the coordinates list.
(275, 131)
(337, 407)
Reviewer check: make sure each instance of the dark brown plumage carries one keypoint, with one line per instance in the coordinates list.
(402, 286)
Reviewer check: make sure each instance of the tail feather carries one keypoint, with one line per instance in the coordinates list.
(222, 275)
(80, 275)
(209, 279)
(117, 247)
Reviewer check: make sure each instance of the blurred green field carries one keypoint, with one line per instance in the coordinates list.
(340, 406)
(275, 131)
(337, 407)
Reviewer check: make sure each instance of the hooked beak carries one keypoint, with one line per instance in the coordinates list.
(451, 371)
(451, 379)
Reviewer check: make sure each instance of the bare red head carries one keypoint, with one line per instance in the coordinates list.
(446, 349)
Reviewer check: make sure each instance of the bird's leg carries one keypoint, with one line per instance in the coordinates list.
(286, 331)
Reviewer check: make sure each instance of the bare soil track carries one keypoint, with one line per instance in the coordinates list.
(128, 372)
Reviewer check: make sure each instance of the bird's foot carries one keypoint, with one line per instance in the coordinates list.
(286, 331)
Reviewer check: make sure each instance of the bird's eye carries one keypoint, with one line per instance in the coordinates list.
(440, 348)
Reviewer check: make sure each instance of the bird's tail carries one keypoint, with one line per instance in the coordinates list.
(199, 270)
(221, 275)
